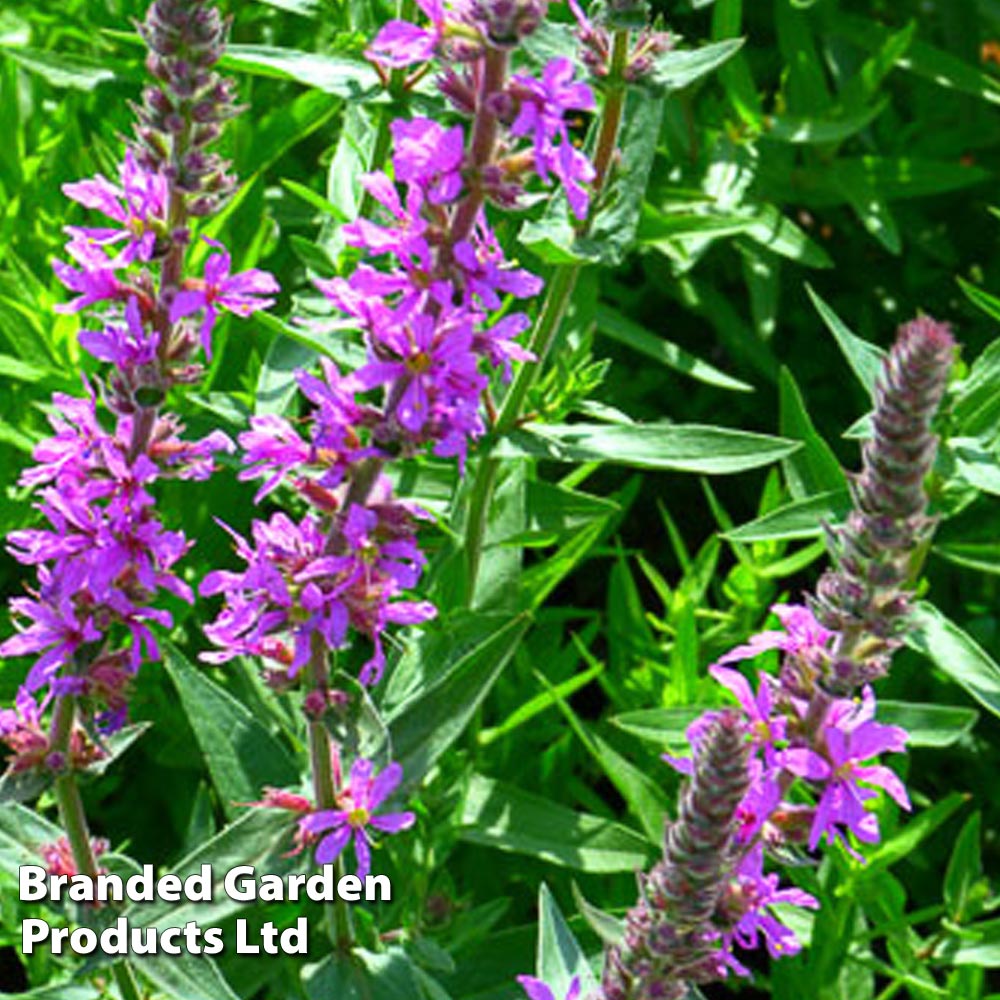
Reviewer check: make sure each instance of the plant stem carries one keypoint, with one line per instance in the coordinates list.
(74, 822)
(338, 915)
(562, 284)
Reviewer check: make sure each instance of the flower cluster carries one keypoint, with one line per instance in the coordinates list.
(104, 559)
(430, 298)
(797, 766)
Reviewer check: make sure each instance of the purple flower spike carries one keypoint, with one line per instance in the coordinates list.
(355, 814)
(235, 292)
(537, 990)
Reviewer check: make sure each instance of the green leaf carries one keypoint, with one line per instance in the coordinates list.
(976, 409)
(962, 879)
(620, 328)
(611, 930)
(929, 725)
(814, 468)
(941, 68)
(22, 832)
(864, 358)
(77, 72)
(612, 232)
(276, 385)
(835, 125)
(353, 79)
(799, 519)
(502, 816)
(369, 975)
(260, 838)
(979, 945)
(663, 726)
(432, 718)
(241, 754)
(679, 68)
(193, 977)
(683, 448)
(560, 959)
(538, 704)
(911, 835)
(956, 654)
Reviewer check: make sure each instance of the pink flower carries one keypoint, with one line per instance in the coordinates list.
(355, 815)
(850, 737)
(139, 205)
(537, 990)
(235, 292)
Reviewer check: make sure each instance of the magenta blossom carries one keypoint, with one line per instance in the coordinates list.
(851, 736)
(235, 292)
(355, 815)
(537, 990)
(766, 729)
(747, 903)
(542, 117)
(127, 347)
(139, 206)
(801, 635)
(400, 44)
(429, 155)
(94, 280)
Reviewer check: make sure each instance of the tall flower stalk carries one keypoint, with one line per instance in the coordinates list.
(805, 728)
(431, 298)
(105, 557)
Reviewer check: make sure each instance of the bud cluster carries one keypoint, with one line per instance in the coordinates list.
(184, 114)
(865, 597)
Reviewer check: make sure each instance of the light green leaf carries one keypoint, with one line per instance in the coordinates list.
(61, 69)
(193, 977)
(684, 448)
(929, 725)
(663, 726)
(956, 654)
(353, 79)
(679, 68)
(814, 468)
(560, 959)
(799, 519)
(502, 816)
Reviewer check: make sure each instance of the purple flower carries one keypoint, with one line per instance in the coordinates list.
(486, 274)
(430, 363)
(765, 729)
(542, 117)
(139, 205)
(537, 990)
(355, 815)
(57, 630)
(94, 279)
(850, 736)
(801, 635)
(234, 292)
(430, 156)
(127, 347)
(399, 43)
(747, 902)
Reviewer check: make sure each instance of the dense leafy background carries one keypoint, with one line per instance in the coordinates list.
(848, 147)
